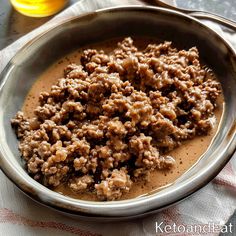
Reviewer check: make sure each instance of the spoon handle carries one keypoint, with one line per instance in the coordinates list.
(213, 17)
(197, 14)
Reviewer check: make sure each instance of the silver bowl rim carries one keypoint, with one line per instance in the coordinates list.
(155, 201)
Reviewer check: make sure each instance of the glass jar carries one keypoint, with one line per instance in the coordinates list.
(38, 8)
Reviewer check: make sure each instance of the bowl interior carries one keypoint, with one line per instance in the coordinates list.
(164, 25)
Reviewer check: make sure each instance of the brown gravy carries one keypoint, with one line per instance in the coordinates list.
(186, 156)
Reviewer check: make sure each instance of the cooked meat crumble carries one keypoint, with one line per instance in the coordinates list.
(115, 117)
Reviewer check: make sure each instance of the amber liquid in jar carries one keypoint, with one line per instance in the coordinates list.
(38, 8)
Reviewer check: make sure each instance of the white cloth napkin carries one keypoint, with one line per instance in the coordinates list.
(19, 215)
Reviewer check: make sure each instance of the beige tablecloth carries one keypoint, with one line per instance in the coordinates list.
(19, 215)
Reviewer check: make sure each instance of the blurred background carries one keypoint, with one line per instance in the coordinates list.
(14, 25)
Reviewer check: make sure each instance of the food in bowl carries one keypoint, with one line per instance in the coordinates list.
(116, 118)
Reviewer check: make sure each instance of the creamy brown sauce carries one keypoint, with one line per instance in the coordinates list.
(186, 156)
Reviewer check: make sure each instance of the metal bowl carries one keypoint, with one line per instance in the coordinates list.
(36, 56)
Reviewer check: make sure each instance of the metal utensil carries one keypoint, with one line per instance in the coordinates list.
(196, 13)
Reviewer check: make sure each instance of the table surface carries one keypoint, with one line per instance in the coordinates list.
(13, 25)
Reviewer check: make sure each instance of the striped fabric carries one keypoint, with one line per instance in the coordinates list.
(19, 215)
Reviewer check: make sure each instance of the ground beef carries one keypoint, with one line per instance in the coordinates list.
(114, 117)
